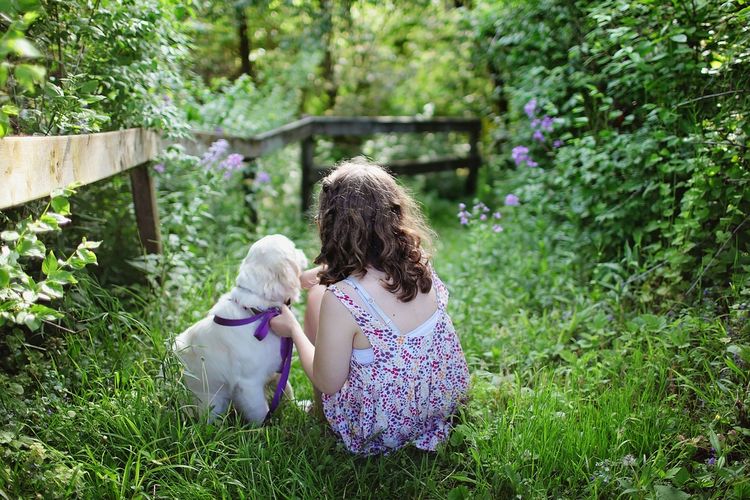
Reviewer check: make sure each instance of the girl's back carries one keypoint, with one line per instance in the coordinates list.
(408, 388)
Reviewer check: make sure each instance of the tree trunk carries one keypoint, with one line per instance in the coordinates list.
(246, 64)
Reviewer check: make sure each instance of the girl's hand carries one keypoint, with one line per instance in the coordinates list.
(309, 278)
(285, 323)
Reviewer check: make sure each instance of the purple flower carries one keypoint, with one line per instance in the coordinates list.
(520, 154)
(497, 228)
(483, 217)
(262, 177)
(557, 143)
(463, 221)
(547, 123)
(219, 130)
(530, 108)
(535, 122)
(497, 215)
(232, 162)
(159, 167)
(531, 163)
(711, 461)
(216, 151)
(511, 200)
(462, 206)
(538, 136)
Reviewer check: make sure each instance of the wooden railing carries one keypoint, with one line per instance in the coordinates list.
(32, 167)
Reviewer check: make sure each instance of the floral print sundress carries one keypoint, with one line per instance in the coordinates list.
(409, 389)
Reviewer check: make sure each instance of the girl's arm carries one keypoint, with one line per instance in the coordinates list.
(327, 362)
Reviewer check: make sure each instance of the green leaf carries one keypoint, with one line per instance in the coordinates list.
(4, 278)
(9, 235)
(89, 87)
(666, 492)
(4, 67)
(28, 75)
(22, 47)
(10, 110)
(679, 38)
(61, 205)
(50, 263)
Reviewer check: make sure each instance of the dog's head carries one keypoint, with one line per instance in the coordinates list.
(272, 269)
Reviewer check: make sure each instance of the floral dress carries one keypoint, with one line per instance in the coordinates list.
(409, 389)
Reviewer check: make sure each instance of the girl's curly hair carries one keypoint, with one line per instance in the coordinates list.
(366, 219)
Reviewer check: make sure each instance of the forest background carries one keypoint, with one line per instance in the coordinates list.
(604, 308)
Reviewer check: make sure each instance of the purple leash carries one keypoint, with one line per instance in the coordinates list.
(260, 333)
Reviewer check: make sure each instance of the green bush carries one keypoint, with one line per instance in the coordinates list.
(651, 106)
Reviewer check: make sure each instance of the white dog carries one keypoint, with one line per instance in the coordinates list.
(227, 363)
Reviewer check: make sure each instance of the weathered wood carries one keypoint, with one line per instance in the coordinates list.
(32, 167)
(411, 167)
(368, 125)
(471, 180)
(252, 147)
(307, 156)
(146, 210)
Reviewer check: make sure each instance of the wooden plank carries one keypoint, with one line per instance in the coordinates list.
(471, 180)
(307, 157)
(368, 125)
(146, 211)
(252, 147)
(32, 167)
(411, 167)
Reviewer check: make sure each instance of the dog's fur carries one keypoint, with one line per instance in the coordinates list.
(224, 364)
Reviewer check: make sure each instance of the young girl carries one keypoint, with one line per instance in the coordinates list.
(378, 341)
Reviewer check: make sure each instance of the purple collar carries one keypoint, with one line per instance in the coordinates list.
(260, 333)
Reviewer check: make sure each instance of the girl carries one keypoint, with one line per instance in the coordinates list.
(378, 341)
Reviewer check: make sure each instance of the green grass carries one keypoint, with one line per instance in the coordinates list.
(573, 393)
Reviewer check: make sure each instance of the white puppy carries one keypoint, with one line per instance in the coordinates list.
(227, 363)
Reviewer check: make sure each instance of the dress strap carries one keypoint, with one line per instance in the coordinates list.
(370, 303)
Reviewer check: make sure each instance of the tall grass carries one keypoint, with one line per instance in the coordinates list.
(572, 395)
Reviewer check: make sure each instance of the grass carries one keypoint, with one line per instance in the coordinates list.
(573, 395)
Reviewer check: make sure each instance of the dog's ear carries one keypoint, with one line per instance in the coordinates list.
(286, 272)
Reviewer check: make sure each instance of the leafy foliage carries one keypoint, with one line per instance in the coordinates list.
(653, 119)
(19, 291)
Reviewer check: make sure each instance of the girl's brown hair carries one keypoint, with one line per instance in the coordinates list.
(365, 220)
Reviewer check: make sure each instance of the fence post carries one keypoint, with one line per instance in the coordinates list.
(308, 160)
(146, 211)
(471, 180)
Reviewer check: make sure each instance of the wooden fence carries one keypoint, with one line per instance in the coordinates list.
(32, 167)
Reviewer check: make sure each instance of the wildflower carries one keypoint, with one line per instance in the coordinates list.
(462, 206)
(538, 136)
(216, 151)
(483, 217)
(711, 461)
(232, 162)
(219, 130)
(511, 200)
(159, 167)
(547, 123)
(497, 228)
(262, 177)
(628, 460)
(557, 143)
(531, 163)
(520, 154)
(535, 122)
(481, 207)
(497, 215)
(530, 108)
(463, 221)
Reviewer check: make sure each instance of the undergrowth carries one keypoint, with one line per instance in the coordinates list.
(575, 392)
